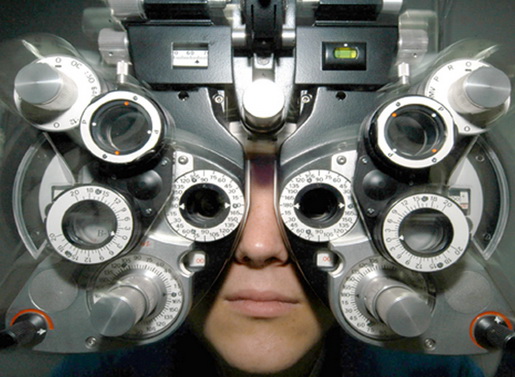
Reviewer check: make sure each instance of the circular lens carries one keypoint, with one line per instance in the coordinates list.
(415, 132)
(89, 224)
(204, 205)
(426, 231)
(319, 205)
(121, 127)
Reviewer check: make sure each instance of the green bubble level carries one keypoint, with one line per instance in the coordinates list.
(345, 53)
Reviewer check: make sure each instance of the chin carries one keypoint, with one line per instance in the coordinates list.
(262, 364)
(263, 352)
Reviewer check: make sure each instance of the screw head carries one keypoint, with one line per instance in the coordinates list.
(306, 98)
(91, 342)
(430, 344)
(371, 212)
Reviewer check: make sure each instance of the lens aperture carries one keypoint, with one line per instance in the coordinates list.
(204, 205)
(320, 205)
(426, 231)
(415, 132)
(89, 224)
(121, 127)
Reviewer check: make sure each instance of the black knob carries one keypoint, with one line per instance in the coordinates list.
(493, 332)
(27, 329)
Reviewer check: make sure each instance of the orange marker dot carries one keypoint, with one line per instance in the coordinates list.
(117, 153)
(394, 115)
(126, 103)
(434, 150)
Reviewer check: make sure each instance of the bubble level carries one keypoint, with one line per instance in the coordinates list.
(344, 56)
(345, 53)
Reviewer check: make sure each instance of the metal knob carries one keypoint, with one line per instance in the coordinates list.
(398, 306)
(45, 87)
(482, 89)
(263, 105)
(127, 303)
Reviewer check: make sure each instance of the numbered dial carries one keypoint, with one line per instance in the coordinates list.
(317, 205)
(53, 92)
(425, 232)
(381, 301)
(135, 296)
(206, 206)
(89, 224)
(469, 88)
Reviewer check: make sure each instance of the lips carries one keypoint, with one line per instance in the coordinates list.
(261, 304)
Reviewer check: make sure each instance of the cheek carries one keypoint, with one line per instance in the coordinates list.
(262, 345)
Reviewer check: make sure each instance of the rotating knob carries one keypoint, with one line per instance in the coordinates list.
(398, 306)
(263, 105)
(29, 328)
(128, 302)
(45, 87)
(481, 90)
(494, 332)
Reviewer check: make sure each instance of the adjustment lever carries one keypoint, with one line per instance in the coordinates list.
(27, 329)
(493, 332)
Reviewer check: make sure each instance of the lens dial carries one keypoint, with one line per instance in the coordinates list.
(53, 92)
(414, 132)
(317, 205)
(425, 232)
(206, 206)
(382, 301)
(135, 296)
(474, 92)
(89, 224)
(121, 127)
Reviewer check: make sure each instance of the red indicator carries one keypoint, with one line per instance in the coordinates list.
(35, 311)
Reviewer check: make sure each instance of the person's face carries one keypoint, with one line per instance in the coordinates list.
(262, 320)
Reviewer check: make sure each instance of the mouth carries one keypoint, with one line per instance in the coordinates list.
(258, 304)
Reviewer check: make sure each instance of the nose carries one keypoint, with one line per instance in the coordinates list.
(261, 243)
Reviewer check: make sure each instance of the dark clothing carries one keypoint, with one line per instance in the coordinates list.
(183, 355)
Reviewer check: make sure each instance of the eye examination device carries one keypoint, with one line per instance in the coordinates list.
(124, 181)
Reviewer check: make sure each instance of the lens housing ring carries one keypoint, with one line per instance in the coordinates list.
(205, 222)
(318, 226)
(447, 250)
(425, 127)
(68, 243)
(121, 108)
